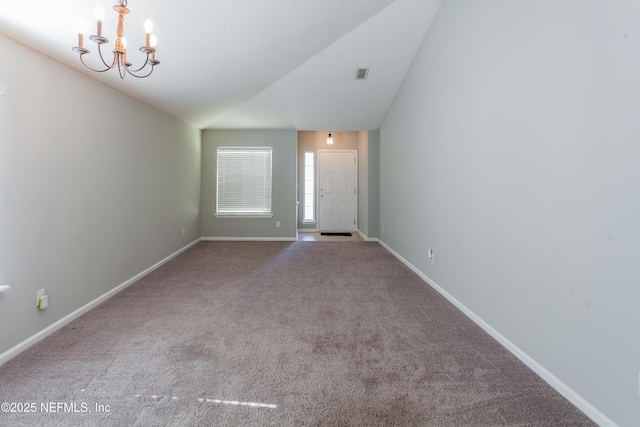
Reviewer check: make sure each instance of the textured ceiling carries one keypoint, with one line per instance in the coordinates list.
(246, 63)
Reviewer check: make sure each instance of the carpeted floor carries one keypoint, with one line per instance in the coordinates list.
(278, 334)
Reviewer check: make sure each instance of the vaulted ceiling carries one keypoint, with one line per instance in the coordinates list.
(245, 63)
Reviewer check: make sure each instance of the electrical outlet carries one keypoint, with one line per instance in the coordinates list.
(184, 230)
(383, 228)
(277, 223)
(39, 295)
(431, 255)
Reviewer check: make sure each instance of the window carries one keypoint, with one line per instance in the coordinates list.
(309, 214)
(244, 181)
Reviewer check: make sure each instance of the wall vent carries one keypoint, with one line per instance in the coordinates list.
(362, 73)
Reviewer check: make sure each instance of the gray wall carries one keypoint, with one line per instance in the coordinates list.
(283, 202)
(374, 184)
(512, 149)
(93, 190)
(368, 183)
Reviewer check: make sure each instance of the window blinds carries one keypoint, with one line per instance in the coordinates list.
(244, 181)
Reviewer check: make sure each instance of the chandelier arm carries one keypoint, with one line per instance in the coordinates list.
(141, 68)
(141, 77)
(122, 72)
(92, 69)
(115, 59)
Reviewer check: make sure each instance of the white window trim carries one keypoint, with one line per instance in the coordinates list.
(304, 192)
(226, 215)
(245, 215)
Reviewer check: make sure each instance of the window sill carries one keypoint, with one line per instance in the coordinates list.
(243, 216)
(308, 222)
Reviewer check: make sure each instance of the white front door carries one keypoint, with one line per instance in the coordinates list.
(337, 194)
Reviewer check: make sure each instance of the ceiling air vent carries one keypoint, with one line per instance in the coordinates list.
(362, 73)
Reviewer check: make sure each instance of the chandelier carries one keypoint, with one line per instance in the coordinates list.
(120, 47)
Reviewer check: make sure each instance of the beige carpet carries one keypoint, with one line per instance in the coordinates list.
(278, 334)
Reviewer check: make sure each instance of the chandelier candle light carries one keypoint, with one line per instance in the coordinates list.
(120, 46)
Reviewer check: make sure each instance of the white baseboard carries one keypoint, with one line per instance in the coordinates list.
(562, 388)
(367, 239)
(249, 239)
(14, 351)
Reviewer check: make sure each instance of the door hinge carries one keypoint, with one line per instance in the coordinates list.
(354, 191)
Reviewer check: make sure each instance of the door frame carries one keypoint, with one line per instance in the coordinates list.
(355, 152)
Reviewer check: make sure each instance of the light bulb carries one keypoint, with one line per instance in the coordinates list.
(154, 40)
(99, 17)
(148, 26)
(80, 27)
(99, 13)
